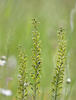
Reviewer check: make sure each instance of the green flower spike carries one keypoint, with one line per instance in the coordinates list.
(22, 88)
(58, 78)
(36, 60)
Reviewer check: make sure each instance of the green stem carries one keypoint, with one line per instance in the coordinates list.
(35, 90)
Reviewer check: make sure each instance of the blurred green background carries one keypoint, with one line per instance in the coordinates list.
(16, 28)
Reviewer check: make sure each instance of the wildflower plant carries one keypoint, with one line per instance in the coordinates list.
(22, 88)
(57, 82)
(36, 60)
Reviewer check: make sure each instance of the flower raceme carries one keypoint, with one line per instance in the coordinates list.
(36, 60)
(57, 82)
(22, 88)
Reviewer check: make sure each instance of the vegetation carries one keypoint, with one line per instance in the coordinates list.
(36, 60)
(58, 78)
(16, 28)
(22, 87)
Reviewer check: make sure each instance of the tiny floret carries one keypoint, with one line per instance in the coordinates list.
(68, 80)
(2, 62)
(6, 92)
(3, 57)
